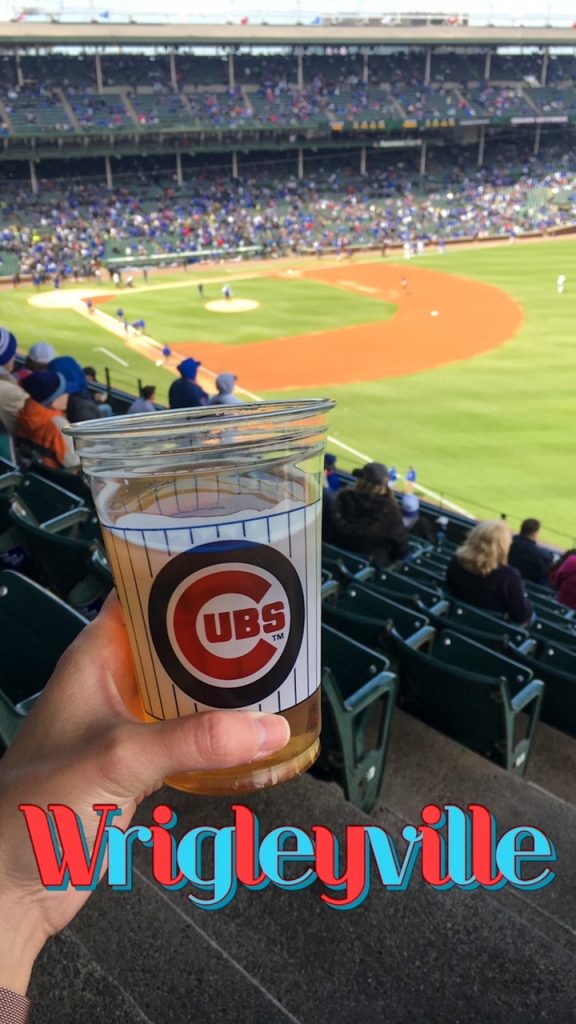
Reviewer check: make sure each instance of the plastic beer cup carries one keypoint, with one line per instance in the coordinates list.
(212, 523)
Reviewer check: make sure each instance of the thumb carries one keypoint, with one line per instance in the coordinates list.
(142, 755)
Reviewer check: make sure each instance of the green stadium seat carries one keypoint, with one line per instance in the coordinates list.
(539, 590)
(550, 608)
(35, 629)
(436, 559)
(486, 628)
(338, 561)
(47, 504)
(10, 475)
(401, 588)
(554, 631)
(358, 700)
(556, 666)
(370, 618)
(47, 501)
(74, 483)
(432, 575)
(65, 561)
(473, 695)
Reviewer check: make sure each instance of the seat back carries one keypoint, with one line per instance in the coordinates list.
(401, 588)
(46, 500)
(359, 696)
(35, 629)
(556, 667)
(362, 601)
(331, 555)
(554, 633)
(479, 625)
(474, 659)
(432, 575)
(64, 562)
(74, 483)
(10, 475)
(463, 691)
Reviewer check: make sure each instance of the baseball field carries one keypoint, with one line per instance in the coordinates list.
(462, 365)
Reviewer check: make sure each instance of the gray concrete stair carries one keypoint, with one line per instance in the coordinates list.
(425, 766)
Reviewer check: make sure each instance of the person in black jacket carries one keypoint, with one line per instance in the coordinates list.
(526, 555)
(479, 573)
(366, 518)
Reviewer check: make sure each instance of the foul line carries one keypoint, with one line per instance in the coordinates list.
(112, 356)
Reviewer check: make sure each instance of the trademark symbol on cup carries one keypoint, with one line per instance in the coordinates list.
(227, 621)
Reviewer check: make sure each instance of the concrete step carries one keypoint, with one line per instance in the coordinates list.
(69, 987)
(553, 763)
(426, 767)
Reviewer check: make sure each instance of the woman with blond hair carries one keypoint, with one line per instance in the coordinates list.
(479, 573)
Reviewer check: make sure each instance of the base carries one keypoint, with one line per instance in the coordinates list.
(246, 778)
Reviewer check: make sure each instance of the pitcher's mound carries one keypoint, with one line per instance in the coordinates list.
(232, 305)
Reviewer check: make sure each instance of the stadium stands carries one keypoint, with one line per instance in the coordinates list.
(454, 86)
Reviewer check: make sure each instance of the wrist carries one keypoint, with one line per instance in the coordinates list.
(21, 940)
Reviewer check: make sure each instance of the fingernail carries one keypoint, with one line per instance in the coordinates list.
(274, 732)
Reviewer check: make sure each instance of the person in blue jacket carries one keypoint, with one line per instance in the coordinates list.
(186, 393)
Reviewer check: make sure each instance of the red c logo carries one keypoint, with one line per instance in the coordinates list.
(227, 621)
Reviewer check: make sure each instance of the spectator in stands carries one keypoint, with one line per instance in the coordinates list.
(225, 384)
(99, 396)
(563, 578)
(332, 479)
(186, 393)
(82, 747)
(12, 397)
(416, 524)
(40, 421)
(146, 401)
(81, 405)
(526, 555)
(479, 573)
(366, 518)
(40, 356)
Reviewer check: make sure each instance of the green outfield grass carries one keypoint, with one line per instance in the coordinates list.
(493, 431)
(496, 430)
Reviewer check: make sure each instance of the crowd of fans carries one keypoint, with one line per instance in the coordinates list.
(38, 400)
(73, 230)
(488, 571)
(61, 95)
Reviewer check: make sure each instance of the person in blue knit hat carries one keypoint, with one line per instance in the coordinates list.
(186, 393)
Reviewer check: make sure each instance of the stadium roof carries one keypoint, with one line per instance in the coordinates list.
(24, 34)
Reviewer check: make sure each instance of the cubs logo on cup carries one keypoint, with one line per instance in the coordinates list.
(227, 621)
